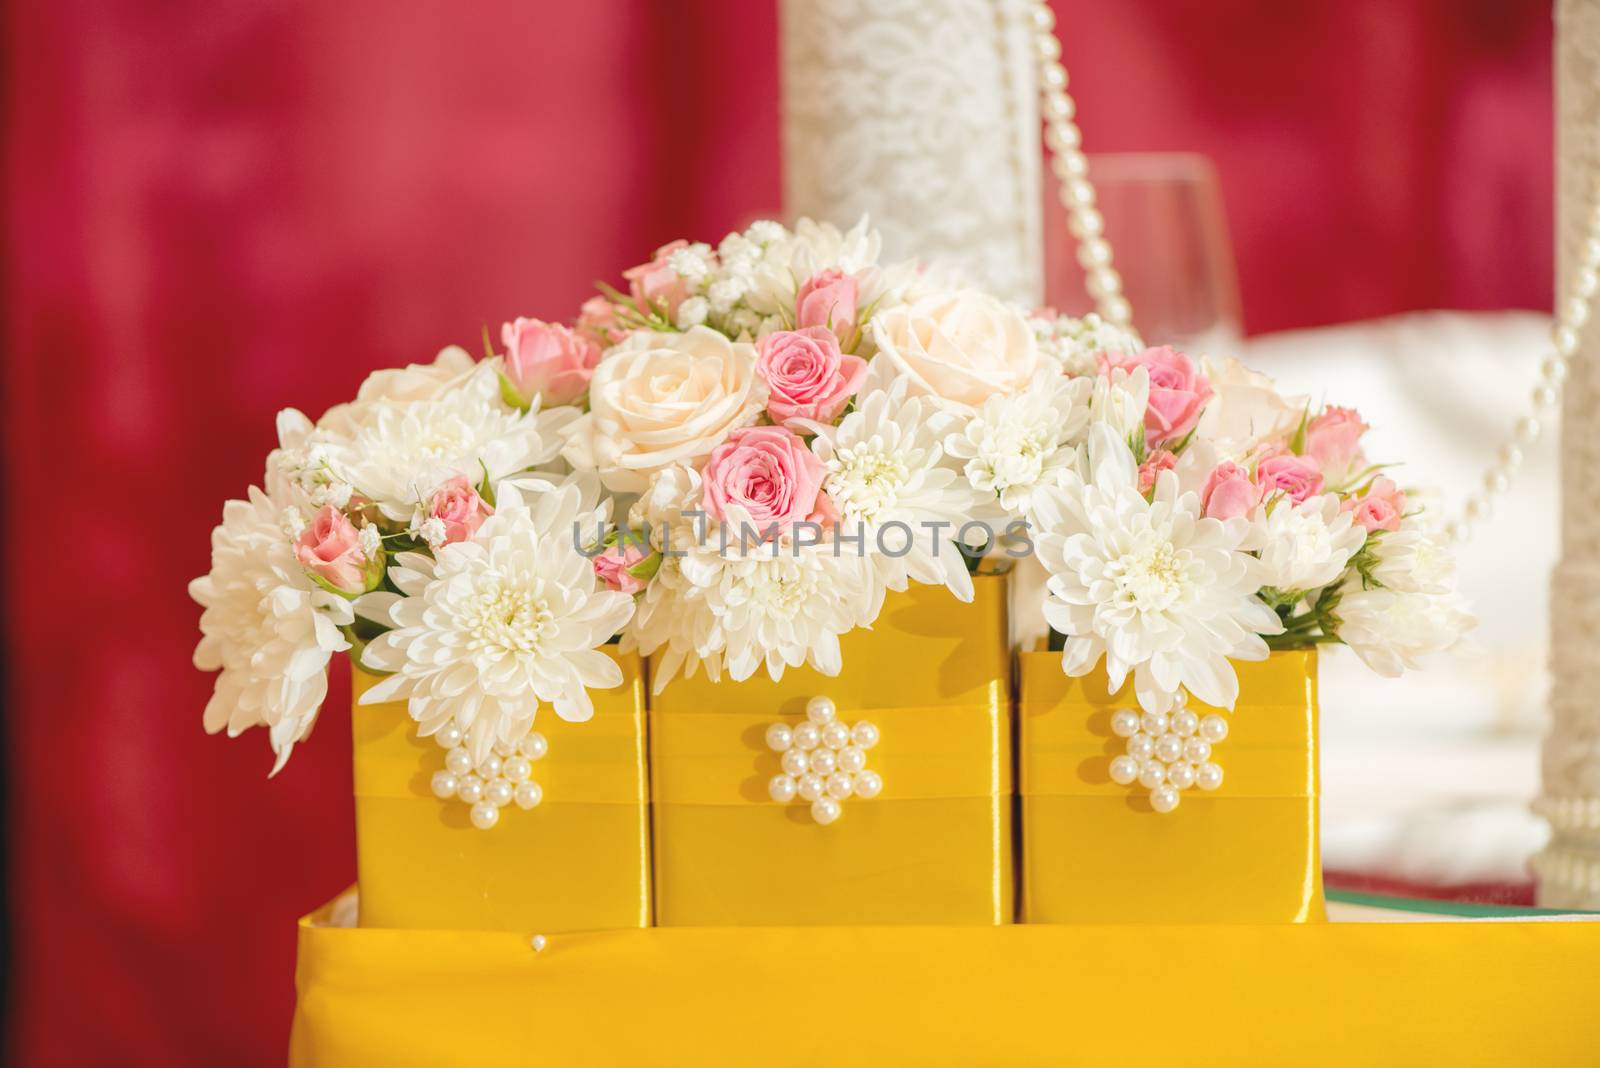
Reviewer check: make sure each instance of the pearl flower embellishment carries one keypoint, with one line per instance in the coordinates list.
(824, 761)
(1168, 753)
(503, 777)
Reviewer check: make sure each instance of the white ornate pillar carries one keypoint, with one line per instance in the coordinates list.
(1569, 870)
(922, 113)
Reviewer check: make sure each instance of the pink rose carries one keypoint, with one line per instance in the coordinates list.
(1178, 391)
(1228, 492)
(1380, 508)
(807, 376)
(457, 505)
(768, 472)
(597, 321)
(1333, 439)
(1157, 462)
(330, 549)
(547, 361)
(828, 299)
(655, 283)
(613, 562)
(1290, 474)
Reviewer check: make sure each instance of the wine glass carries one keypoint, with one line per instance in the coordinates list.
(1169, 239)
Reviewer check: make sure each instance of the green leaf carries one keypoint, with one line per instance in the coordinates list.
(509, 394)
(646, 569)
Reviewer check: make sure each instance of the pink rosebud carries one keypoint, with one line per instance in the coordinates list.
(457, 505)
(1157, 462)
(655, 283)
(1228, 492)
(807, 376)
(1333, 440)
(547, 361)
(1178, 391)
(828, 299)
(1380, 508)
(613, 562)
(769, 473)
(597, 321)
(1287, 473)
(330, 549)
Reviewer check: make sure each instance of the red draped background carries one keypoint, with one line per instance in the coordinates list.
(216, 208)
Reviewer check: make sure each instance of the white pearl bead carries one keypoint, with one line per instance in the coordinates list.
(821, 710)
(1047, 46)
(825, 810)
(1197, 751)
(1125, 723)
(1213, 728)
(1209, 777)
(499, 792)
(1495, 481)
(1105, 281)
(868, 785)
(1124, 769)
(534, 746)
(836, 736)
(1554, 369)
(1565, 339)
(1510, 456)
(1587, 282)
(490, 768)
(1141, 747)
(864, 734)
(1185, 723)
(840, 785)
(1169, 747)
(1155, 723)
(1054, 77)
(459, 761)
(1152, 774)
(1577, 312)
(1164, 798)
(852, 758)
(795, 762)
(1545, 397)
(1181, 775)
(823, 762)
(782, 788)
(518, 769)
(484, 815)
(449, 736)
(806, 736)
(1116, 310)
(470, 789)
(1527, 430)
(810, 786)
(444, 785)
(529, 794)
(779, 737)
(1476, 508)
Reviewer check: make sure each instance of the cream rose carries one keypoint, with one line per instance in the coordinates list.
(961, 347)
(659, 399)
(1246, 410)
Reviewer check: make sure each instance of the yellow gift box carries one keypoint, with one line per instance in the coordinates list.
(579, 860)
(1095, 851)
(934, 847)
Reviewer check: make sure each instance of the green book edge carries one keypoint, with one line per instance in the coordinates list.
(1444, 908)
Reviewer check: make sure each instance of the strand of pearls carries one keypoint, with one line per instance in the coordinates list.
(1575, 309)
(1071, 169)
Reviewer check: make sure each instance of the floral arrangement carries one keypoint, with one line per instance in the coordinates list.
(730, 463)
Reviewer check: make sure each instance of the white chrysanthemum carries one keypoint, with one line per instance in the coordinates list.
(1411, 612)
(736, 611)
(500, 623)
(267, 627)
(1119, 401)
(894, 486)
(1075, 346)
(784, 259)
(1019, 443)
(1307, 545)
(403, 450)
(414, 382)
(1150, 586)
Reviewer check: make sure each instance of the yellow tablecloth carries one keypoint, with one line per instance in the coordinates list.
(1339, 993)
